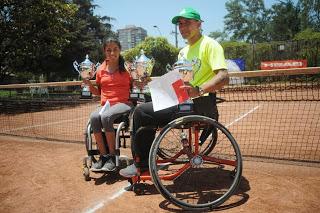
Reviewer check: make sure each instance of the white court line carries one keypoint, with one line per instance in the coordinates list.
(243, 116)
(105, 201)
(122, 190)
(41, 125)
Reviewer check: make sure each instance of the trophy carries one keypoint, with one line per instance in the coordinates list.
(141, 70)
(86, 70)
(187, 70)
(185, 67)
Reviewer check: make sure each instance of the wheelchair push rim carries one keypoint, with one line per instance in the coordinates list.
(206, 180)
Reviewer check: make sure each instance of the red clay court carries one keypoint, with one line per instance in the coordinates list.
(276, 124)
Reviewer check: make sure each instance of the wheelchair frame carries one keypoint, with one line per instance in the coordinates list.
(186, 158)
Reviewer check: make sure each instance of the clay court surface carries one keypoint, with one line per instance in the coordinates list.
(44, 176)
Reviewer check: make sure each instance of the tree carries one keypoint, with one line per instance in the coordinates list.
(31, 32)
(46, 36)
(285, 22)
(219, 36)
(158, 48)
(88, 34)
(310, 14)
(234, 20)
(246, 20)
(311, 46)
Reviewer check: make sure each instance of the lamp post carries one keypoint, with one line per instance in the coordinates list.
(155, 26)
(175, 32)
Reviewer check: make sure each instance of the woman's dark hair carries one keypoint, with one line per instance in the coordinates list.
(122, 68)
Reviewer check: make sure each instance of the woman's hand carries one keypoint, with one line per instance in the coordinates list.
(142, 82)
(86, 81)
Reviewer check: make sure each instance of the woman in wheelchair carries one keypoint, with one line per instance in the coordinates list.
(211, 76)
(113, 83)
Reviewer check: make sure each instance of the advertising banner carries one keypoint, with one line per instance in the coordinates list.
(285, 64)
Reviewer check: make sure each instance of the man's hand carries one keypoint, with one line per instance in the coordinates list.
(192, 91)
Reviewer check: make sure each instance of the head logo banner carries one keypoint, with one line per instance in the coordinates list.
(285, 64)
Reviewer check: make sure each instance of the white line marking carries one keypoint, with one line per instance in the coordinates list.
(105, 201)
(41, 125)
(243, 116)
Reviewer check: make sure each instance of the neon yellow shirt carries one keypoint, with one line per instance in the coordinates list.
(211, 56)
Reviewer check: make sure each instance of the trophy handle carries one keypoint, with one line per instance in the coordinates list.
(150, 66)
(128, 66)
(169, 68)
(76, 65)
(95, 69)
(196, 64)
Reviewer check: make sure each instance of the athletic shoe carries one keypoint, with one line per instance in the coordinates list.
(96, 167)
(129, 171)
(109, 164)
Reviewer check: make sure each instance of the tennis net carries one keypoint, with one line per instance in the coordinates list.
(272, 114)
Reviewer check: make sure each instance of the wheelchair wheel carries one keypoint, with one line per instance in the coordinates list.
(208, 139)
(91, 146)
(205, 180)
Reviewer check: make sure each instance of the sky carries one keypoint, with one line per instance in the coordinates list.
(148, 13)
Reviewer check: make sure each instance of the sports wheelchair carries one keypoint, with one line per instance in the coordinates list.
(194, 161)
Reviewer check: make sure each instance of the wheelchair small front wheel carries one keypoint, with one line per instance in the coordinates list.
(202, 181)
(86, 174)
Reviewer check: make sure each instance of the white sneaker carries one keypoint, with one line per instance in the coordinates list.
(96, 167)
(129, 171)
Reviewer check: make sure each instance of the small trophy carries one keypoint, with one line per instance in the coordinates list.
(185, 67)
(86, 70)
(140, 70)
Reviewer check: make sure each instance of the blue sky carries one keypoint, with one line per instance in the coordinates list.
(148, 13)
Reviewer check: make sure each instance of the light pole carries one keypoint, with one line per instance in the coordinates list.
(175, 32)
(155, 26)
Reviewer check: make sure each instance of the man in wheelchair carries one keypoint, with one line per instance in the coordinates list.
(113, 84)
(211, 76)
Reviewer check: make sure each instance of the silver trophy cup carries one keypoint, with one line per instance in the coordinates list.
(141, 70)
(86, 70)
(185, 67)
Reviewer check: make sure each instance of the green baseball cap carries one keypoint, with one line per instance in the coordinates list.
(188, 13)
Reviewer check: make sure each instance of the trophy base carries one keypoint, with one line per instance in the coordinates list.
(86, 95)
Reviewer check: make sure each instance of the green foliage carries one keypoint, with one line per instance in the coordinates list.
(219, 36)
(307, 34)
(310, 14)
(158, 48)
(250, 21)
(46, 36)
(246, 20)
(32, 32)
(284, 21)
(310, 48)
(294, 26)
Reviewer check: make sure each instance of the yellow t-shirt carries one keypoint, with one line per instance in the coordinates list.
(211, 56)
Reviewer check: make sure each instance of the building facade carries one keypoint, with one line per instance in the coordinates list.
(130, 36)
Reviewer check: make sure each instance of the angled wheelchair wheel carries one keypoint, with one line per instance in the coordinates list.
(207, 141)
(203, 181)
(91, 146)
